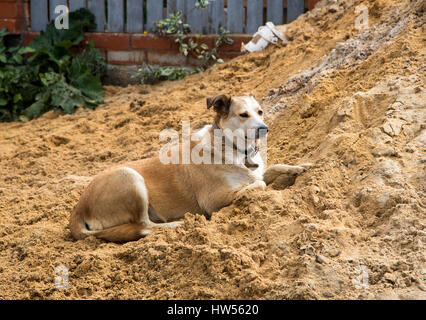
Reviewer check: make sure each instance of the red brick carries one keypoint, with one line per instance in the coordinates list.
(27, 37)
(126, 57)
(150, 41)
(104, 53)
(110, 41)
(194, 62)
(13, 26)
(165, 58)
(312, 3)
(12, 10)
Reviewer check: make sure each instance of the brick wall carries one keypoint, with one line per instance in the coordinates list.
(136, 49)
(14, 15)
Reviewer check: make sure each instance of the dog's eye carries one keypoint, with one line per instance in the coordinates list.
(260, 112)
(244, 115)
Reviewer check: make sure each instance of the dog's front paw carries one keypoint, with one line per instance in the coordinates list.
(260, 184)
(306, 165)
(276, 170)
(257, 185)
(296, 170)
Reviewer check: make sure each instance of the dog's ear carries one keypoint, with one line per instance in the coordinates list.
(220, 103)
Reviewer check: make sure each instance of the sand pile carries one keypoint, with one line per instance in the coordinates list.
(351, 101)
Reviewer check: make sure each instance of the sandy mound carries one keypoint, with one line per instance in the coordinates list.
(352, 102)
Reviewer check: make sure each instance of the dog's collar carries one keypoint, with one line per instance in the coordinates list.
(249, 152)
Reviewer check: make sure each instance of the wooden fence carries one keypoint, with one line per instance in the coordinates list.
(136, 16)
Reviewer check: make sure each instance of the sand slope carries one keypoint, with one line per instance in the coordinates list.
(352, 102)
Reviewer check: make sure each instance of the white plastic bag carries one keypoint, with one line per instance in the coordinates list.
(263, 37)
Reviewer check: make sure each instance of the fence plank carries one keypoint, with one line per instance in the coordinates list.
(216, 16)
(115, 16)
(235, 17)
(171, 7)
(154, 12)
(254, 15)
(77, 4)
(53, 5)
(294, 9)
(39, 12)
(181, 6)
(97, 7)
(194, 17)
(205, 19)
(134, 16)
(202, 20)
(275, 11)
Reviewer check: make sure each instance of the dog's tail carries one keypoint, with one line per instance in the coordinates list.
(121, 233)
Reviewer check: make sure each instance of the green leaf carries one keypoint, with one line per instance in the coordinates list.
(228, 41)
(3, 32)
(18, 59)
(17, 97)
(25, 50)
(5, 115)
(91, 87)
(38, 107)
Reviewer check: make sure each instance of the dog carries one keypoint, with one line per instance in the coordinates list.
(126, 202)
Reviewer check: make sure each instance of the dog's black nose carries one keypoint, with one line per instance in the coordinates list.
(264, 128)
(261, 131)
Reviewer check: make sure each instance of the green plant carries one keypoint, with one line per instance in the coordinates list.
(16, 80)
(174, 25)
(61, 73)
(209, 56)
(152, 74)
(202, 4)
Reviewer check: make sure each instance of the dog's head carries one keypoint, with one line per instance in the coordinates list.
(241, 115)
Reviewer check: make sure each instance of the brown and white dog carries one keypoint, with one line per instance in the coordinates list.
(122, 203)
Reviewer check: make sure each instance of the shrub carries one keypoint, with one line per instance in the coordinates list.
(174, 25)
(152, 74)
(62, 72)
(17, 81)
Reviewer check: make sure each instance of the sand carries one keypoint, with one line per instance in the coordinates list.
(350, 101)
